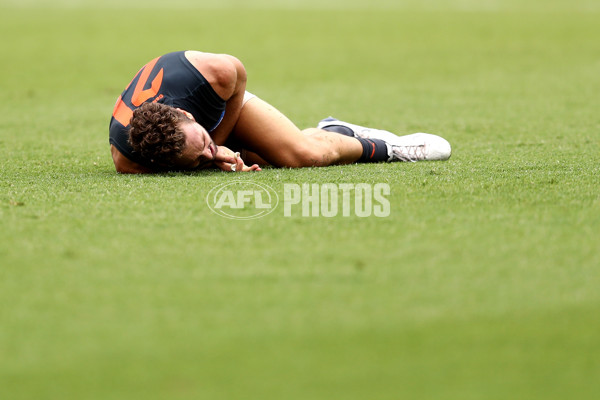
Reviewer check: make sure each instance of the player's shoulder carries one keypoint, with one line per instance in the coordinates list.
(200, 59)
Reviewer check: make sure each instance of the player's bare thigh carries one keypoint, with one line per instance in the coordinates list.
(265, 131)
(250, 157)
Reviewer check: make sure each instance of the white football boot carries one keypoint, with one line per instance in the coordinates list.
(415, 147)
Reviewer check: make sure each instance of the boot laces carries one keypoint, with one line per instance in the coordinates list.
(412, 153)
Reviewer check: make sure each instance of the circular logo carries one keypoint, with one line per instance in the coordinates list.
(242, 200)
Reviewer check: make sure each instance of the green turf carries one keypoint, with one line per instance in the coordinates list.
(482, 284)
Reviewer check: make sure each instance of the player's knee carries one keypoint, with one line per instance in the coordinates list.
(306, 156)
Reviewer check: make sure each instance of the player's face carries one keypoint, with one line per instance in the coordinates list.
(200, 150)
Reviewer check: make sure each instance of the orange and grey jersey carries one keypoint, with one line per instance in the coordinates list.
(172, 80)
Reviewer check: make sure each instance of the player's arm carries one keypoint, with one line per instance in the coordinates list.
(227, 160)
(227, 76)
(124, 165)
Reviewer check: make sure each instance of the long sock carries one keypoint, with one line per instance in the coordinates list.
(344, 130)
(374, 150)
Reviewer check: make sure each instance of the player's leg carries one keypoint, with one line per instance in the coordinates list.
(264, 130)
(252, 158)
(415, 147)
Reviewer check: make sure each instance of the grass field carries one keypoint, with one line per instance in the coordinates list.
(483, 283)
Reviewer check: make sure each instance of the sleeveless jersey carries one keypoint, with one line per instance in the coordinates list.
(172, 80)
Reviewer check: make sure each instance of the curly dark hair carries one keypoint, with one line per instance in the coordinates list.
(156, 133)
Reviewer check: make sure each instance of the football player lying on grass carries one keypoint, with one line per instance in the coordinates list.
(189, 110)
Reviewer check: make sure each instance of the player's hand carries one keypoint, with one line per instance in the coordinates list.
(229, 161)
